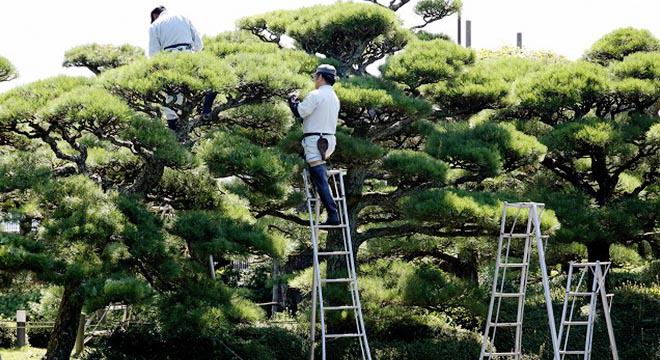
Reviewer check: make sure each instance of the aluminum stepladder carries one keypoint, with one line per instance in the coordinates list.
(599, 272)
(502, 264)
(336, 181)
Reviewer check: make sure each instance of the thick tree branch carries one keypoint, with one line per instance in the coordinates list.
(568, 174)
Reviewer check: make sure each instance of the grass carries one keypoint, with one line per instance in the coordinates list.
(24, 353)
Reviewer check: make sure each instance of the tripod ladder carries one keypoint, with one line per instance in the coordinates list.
(336, 181)
(505, 262)
(599, 271)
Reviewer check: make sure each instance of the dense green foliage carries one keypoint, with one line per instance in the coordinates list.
(98, 58)
(116, 207)
(7, 70)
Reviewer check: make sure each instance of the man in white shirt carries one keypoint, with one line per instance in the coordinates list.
(173, 32)
(320, 112)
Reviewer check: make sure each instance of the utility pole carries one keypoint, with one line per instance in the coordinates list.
(468, 33)
(459, 28)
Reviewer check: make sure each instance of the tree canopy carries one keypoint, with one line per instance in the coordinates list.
(119, 208)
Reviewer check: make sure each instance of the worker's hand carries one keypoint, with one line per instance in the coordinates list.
(293, 105)
(293, 99)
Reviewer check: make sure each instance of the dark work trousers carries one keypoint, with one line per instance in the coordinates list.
(319, 175)
(209, 98)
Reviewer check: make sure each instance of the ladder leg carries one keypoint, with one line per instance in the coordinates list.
(546, 283)
(486, 337)
(564, 308)
(522, 289)
(361, 329)
(312, 327)
(592, 315)
(606, 311)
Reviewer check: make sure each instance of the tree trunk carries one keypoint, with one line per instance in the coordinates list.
(63, 337)
(598, 250)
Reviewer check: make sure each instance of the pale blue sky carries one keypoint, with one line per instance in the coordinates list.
(35, 33)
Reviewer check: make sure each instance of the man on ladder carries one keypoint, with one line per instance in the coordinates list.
(175, 33)
(319, 112)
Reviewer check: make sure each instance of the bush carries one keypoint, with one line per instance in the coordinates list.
(38, 337)
(148, 342)
(465, 347)
(7, 336)
(624, 256)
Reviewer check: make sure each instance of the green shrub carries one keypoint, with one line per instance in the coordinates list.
(149, 342)
(7, 336)
(623, 256)
(38, 337)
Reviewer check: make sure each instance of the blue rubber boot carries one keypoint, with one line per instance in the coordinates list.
(319, 175)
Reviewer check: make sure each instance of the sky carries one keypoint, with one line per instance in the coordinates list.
(34, 34)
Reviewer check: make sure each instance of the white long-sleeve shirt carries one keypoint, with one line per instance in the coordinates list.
(320, 111)
(171, 29)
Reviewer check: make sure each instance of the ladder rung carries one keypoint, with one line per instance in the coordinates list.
(343, 307)
(585, 264)
(576, 323)
(330, 253)
(508, 295)
(501, 353)
(577, 293)
(522, 236)
(337, 280)
(524, 205)
(505, 324)
(506, 236)
(571, 352)
(340, 226)
(341, 198)
(514, 265)
(336, 172)
(334, 336)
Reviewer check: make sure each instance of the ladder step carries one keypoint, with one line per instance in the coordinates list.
(346, 280)
(585, 264)
(576, 323)
(577, 293)
(506, 324)
(508, 295)
(525, 205)
(506, 236)
(340, 226)
(339, 308)
(341, 198)
(501, 353)
(571, 352)
(330, 253)
(335, 336)
(513, 265)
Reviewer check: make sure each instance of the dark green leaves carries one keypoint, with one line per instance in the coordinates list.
(616, 45)
(211, 233)
(266, 171)
(426, 62)
(574, 87)
(341, 31)
(407, 166)
(7, 70)
(486, 148)
(98, 58)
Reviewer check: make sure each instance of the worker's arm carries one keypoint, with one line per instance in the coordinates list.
(197, 44)
(307, 106)
(154, 42)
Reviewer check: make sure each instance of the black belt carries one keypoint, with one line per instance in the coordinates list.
(176, 46)
(316, 134)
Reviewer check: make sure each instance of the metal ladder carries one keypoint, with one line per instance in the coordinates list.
(336, 181)
(502, 264)
(599, 271)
